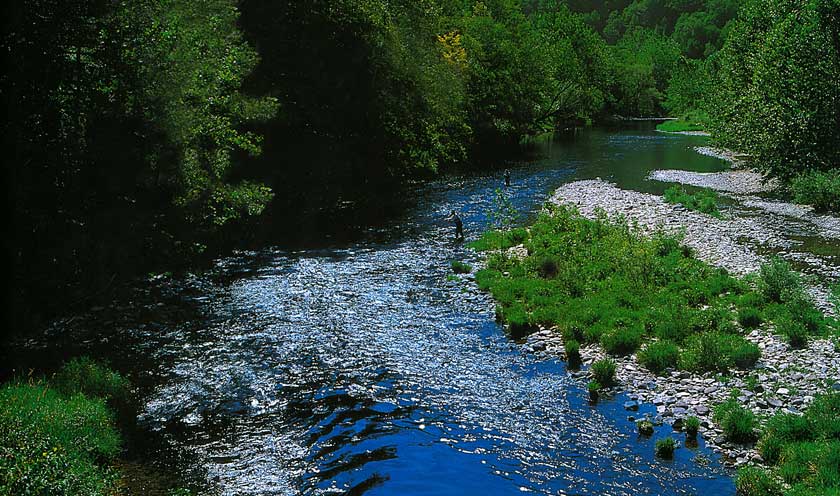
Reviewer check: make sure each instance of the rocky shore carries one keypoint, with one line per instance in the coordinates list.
(784, 379)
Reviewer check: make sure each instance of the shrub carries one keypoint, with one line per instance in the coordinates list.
(460, 267)
(692, 425)
(753, 481)
(56, 441)
(572, 350)
(659, 356)
(93, 379)
(621, 341)
(665, 448)
(777, 282)
(604, 372)
(594, 386)
(737, 422)
(818, 188)
(750, 317)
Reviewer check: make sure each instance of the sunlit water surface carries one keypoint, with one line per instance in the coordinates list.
(361, 369)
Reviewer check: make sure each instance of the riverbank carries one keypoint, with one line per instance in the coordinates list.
(784, 379)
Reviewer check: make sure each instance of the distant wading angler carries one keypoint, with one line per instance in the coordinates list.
(507, 177)
(459, 226)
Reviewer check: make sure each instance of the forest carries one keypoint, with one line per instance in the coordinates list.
(175, 130)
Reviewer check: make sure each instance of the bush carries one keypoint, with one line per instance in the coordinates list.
(659, 356)
(818, 188)
(57, 442)
(604, 372)
(621, 341)
(460, 267)
(692, 425)
(750, 317)
(737, 422)
(753, 481)
(665, 448)
(777, 282)
(594, 386)
(93, 379)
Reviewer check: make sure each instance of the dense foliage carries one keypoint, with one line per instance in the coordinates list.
(777, 90)
(124, 123)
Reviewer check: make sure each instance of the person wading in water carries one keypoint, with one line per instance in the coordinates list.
(459, 226)
(507, 177)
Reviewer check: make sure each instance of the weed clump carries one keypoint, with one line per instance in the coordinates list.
(659, 356)
(692, 425)
(604, 372)
(753, 481)
(665, 448)
(621, 341)
(645, 427)
(737, 422)
(459, 267)
(703, 200)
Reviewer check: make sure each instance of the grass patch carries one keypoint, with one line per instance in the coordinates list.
(59, 437)
(659, 356)
(692, 425)
(804, 451)
(753, 481)
(603, 281)
(737, 422)
(702, 200)
(680, 125)
(665, 448)
(459, 267)
(818, 188)
(603, 371)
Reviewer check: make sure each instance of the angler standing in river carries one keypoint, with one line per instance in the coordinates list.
(507, 177)
(459, 226)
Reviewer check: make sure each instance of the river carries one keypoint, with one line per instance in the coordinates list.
(359, 367)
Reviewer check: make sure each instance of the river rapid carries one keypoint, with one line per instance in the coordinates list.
(362, 368)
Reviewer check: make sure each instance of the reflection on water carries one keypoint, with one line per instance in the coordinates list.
(362, 369)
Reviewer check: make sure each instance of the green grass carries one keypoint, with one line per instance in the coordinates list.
(51, 441)
(818, 188)
(603, 281)
(803, 451)
(59, 437)
(659, 356)
(692, 425)
(603, 371)
(680, 125)
(701, 200)
(737, 422)
(460, 267)
(665, 448)
(753, 481)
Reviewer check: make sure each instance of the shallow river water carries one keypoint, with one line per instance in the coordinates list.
(361, 368)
